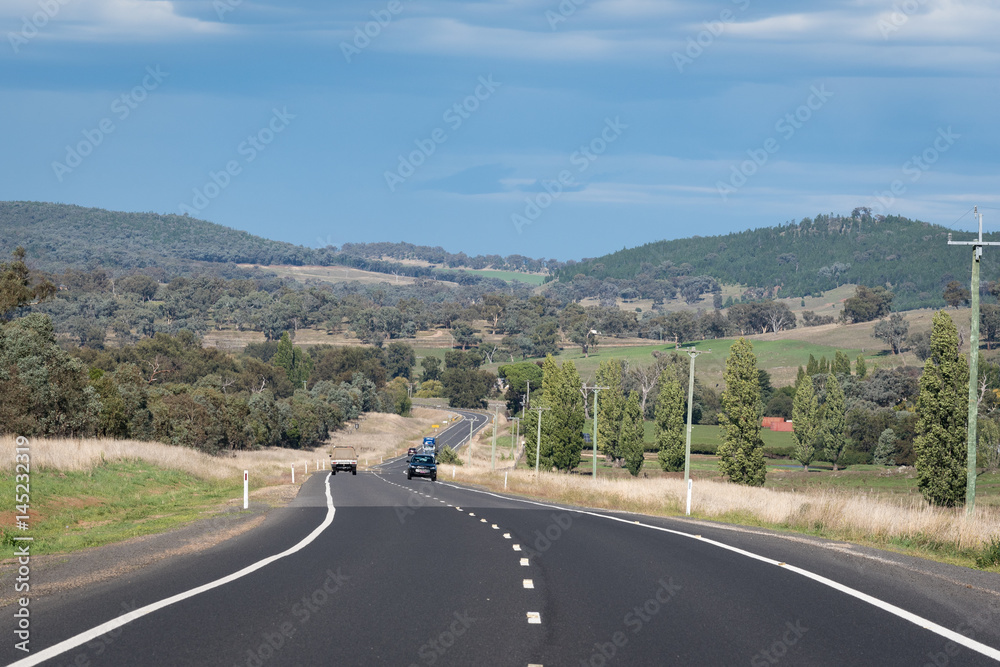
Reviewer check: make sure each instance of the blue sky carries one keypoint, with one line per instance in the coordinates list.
(550, 129)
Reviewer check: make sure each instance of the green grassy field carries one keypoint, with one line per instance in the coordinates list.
(781, 358)
(529, 278)
(112, 502)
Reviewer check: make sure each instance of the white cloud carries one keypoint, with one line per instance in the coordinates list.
(91, 20)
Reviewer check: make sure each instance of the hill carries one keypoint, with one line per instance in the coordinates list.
(61, 236)
(798, 259)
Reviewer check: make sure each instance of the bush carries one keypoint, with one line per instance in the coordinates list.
(448, 455)
(854, 458)
(990, 554)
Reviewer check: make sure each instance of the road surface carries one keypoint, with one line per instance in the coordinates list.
(374, 569)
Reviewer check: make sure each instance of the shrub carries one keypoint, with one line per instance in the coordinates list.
(448, 455)
(990, 554)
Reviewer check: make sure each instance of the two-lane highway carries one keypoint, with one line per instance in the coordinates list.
(378, 569)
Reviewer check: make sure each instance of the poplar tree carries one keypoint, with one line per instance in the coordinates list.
(805, 420)
(610, 405)
(296, 363)
(562, 422)
(741, 454)
(860, 367)
(669, 423)
(834, 427)
(630, 435)
(841, 364)
(942, 418)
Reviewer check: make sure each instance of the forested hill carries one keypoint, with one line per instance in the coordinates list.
(59, 235)
(814, 255)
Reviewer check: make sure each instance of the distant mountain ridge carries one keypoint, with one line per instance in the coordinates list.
(808, 257)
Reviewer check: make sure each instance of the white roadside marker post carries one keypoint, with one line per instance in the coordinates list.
(293, 473)
(246, 489)
(689, 497)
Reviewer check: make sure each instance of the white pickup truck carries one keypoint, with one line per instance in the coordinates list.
(343, 458)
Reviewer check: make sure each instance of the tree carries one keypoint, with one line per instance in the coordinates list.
(18, 288)
(867, 304)
(465, 335)
(562, 422)
(630, 435)
(519, 378)
(669, 423)
(892, 332)
(989, 318)
(296, 363)
(43, 391)
(834, 427)
(432, 368)
(741, 454)
(805, 417)
(988, 447)
(860, 367)
(942, 418)
(886, 448)
(610, 407)
(841, 364)
(399, 360)
(955, 295)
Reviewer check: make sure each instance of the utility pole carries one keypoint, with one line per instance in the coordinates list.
(687, 444)
(538, 440)
(472, 422)
(493, 454)
(514, 435)
(594, 438)
(977, 253)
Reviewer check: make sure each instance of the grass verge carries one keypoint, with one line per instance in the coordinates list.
(906, 526)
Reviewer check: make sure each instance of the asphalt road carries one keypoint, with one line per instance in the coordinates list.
(396, 572)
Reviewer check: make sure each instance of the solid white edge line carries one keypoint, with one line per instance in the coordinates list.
(118, 622)
(924, 623)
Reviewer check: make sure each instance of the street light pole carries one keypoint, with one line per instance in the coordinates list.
(687, 443)
(977, 253)
(493, 454)
(594, 438)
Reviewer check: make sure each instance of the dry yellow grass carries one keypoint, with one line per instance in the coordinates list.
(842, 515)
(379, 435)
(65, 454)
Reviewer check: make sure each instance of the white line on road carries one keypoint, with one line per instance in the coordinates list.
(529, 583)
(96, 632)
(960, 639)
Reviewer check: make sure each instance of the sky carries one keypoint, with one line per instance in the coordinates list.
(549, 128)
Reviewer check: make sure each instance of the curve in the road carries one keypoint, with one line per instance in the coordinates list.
(924, 623)
(124, 619)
